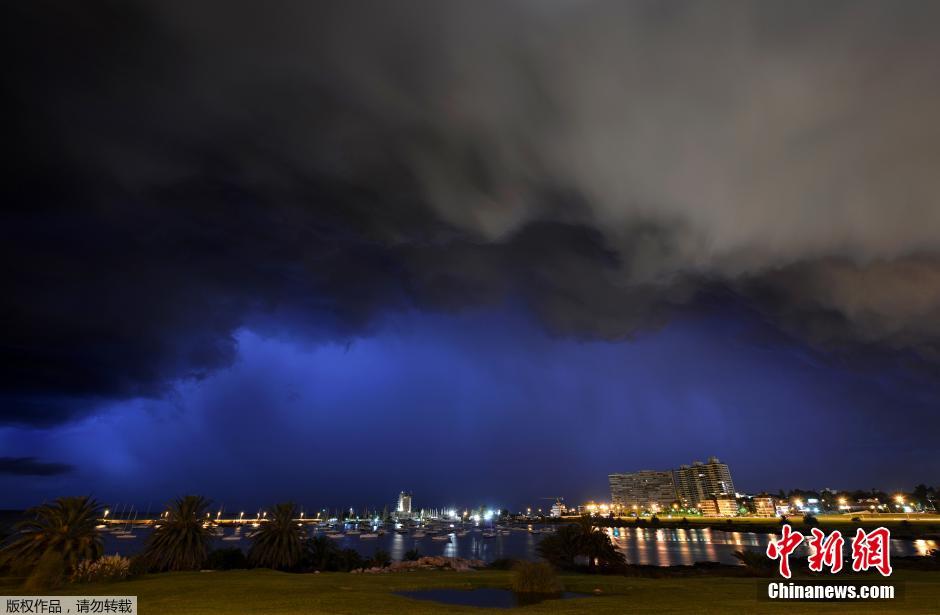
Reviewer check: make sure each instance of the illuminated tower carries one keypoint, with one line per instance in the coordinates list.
(404, 503)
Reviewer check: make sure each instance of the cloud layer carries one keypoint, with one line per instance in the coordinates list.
(186, 170)
(30, 466)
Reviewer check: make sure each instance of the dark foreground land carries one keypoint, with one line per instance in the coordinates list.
(275, 593)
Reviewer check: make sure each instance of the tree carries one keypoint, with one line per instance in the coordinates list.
(561, 548)
(582, 539)
(924, 495)
(66, 527)
(181, 541)
(278, 543)
(347, 559)
(595, 544)
(320, 552)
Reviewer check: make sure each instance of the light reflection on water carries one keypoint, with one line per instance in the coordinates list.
(647, 546)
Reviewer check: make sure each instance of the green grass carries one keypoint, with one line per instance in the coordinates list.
(243, 592)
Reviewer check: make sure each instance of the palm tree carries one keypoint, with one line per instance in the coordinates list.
(278, 543)
(66, 526)
(562, 547)
(181, 541)
(582, 539)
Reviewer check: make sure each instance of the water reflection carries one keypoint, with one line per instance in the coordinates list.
(647, 546)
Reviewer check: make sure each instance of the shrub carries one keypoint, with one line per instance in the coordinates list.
(48, 573)
(502, 563)
(810, 521)
(654, 520)
(107, 568)
(534, 578)
(226, 559)
(320, 553)
(347, 559)
(412, 555)
(756, 562)
(139, 565)
(380, 559)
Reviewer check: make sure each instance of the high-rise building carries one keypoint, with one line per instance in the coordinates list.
(644, 490)
(702, 481)
(404, 503)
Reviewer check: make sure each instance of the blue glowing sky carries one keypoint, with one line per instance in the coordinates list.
(483, 407)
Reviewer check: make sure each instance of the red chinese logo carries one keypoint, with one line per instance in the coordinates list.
(869, 550)
(872, 550)
(826, 551)
(782, 549)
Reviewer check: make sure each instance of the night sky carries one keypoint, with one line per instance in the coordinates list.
(488, 252)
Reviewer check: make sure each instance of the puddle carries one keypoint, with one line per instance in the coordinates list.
(485, 597)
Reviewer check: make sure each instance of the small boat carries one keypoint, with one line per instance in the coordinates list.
(368, 535)
(418, 534)
(489, 534)
(353, 532)
(233, 537)
(444, 537)
(461, 534)
(335, 535)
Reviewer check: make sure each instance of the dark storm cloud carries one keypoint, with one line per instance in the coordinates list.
(30, 466)
(182, 170)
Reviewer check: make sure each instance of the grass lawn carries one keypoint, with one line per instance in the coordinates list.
(264, 591)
